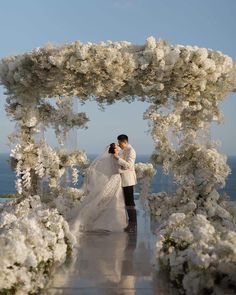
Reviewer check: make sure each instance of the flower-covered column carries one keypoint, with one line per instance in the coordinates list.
(24, 155)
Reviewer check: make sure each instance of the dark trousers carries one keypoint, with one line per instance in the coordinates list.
(129, 203)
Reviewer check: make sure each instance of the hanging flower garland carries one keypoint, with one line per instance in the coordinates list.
(46, 163)
(145, 173)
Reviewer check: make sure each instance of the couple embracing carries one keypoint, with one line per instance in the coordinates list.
(108, 203)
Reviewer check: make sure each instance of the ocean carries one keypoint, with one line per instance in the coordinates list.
(160, 182)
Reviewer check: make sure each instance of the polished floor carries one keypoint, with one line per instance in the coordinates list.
(113, 263)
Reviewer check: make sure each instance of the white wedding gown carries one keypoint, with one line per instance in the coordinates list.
(103, 207)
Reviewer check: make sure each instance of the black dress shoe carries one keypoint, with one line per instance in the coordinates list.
(127, 227)
(132, 228)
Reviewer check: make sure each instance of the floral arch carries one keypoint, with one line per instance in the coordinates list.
(183, 84)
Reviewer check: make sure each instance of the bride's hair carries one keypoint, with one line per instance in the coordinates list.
(112, 148)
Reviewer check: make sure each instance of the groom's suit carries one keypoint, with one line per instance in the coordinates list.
(128, 180)
(127, 162)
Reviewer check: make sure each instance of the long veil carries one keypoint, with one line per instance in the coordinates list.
(101, 184)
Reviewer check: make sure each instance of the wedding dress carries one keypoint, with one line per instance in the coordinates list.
(103, 207)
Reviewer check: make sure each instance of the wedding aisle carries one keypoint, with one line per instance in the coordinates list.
(113, 263)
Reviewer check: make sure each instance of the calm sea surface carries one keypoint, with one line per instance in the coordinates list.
(160, 182)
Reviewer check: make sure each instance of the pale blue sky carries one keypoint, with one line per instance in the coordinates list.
(26, 24)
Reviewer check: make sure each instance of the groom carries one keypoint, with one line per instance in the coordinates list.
(128, 176)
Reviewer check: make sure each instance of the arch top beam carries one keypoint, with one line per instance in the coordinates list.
(110, 71)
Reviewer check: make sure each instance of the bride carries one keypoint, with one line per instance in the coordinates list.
(103, 207)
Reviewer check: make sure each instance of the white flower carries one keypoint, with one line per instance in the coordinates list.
(151, 42)
(176, 218)
(159, 53)
(31, 236)
(183, 235)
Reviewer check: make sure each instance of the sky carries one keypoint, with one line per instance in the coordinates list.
(27, 24)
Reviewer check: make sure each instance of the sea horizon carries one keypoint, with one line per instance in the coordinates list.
(160, 182)
(96, 154)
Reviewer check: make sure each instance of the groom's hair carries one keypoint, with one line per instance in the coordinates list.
(123, 137)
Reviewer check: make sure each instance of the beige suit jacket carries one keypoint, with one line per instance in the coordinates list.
(127, 168)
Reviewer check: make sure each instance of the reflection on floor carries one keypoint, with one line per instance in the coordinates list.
(113, 263)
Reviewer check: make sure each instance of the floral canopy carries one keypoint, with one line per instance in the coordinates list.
(187, 81)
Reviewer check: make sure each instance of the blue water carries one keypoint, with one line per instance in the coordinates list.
(160, 182)
(7, 176)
